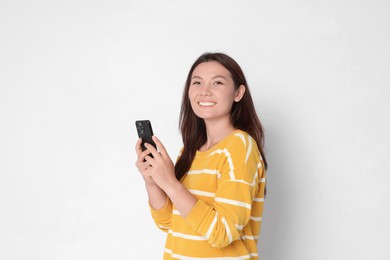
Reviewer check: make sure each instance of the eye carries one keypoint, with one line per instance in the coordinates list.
(218, 82)
(195, 83)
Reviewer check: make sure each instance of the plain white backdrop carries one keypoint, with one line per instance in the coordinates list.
(75, 75)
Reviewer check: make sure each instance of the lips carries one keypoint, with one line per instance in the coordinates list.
(206, 103)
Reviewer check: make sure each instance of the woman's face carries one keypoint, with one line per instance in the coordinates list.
(212, 92)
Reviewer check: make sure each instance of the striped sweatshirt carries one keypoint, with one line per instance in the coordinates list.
(228, 181)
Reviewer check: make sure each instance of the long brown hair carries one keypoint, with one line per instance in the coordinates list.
(243, 115)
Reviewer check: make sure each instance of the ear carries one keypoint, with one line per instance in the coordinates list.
(239, 93)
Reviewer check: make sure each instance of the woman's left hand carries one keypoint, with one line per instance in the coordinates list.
(161, 169)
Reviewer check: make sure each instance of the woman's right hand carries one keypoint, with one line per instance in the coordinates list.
(142, 164)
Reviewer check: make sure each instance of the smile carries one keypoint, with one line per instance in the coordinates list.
(206, 104)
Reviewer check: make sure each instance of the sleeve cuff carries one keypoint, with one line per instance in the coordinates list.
(162, 213)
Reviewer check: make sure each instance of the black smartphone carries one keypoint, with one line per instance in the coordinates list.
(145, 132)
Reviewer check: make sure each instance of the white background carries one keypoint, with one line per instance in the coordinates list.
(74, 75)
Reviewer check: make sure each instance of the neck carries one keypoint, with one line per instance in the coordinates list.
(216, 132)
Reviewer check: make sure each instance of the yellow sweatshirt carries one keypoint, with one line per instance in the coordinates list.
(228, 180)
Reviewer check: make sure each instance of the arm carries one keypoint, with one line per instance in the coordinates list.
(183, 200)
(223, 221)
(161, 170)
(234, 206)
(161, 207)
(157, 197)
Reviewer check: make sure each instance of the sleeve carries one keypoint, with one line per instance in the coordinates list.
(223, 221)
(162, 217)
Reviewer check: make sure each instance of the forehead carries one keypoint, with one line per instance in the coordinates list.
(210, 69)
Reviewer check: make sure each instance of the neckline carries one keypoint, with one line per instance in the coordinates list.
(218, 145)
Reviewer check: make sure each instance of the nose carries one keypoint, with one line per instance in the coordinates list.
(205, 90)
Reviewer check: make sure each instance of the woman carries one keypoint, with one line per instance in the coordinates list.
(211, 201)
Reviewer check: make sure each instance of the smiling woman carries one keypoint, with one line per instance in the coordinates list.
(211, 202)
(212, 94)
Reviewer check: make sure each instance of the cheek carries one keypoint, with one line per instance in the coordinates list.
(229, 96)
(191, 94)
(191, 97)
(229, 100)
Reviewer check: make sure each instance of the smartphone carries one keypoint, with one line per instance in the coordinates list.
(145, 132)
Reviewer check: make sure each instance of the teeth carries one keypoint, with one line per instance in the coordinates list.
(206, 104)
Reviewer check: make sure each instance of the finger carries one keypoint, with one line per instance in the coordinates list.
(143, 167)
(150, 161)
(160, 146)
(138, 148)
(144, 153)
(141, 157)
(150, 148)
(146, 168)
(140, 163)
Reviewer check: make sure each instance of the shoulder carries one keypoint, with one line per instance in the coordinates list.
(241, 141)
(243, 156)
(240, 147)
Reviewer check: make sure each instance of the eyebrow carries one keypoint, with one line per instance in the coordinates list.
(214, 77)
